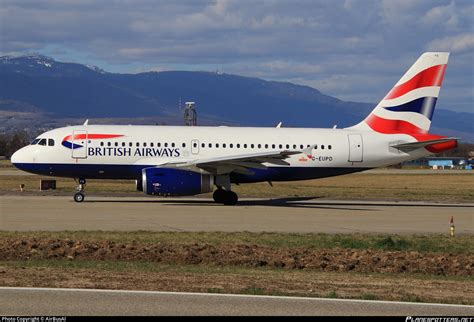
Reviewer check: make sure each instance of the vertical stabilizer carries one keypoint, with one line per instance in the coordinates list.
(409, 105)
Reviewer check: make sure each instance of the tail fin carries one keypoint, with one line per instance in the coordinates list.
(409, 105)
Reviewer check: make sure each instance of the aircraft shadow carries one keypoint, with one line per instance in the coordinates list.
(291, 202)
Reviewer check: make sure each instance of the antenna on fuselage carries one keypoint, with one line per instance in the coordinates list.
(86, 122)
(279, 125)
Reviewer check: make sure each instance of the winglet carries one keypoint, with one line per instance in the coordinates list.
(86, 122)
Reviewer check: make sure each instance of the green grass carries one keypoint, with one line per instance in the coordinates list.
(461, 244)
(243, 280)
(369, 297)
(332, 295)
(154, 267)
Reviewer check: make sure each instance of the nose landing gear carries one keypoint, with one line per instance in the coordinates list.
(80, 189)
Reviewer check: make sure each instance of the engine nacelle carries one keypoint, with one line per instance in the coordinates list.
(175, 182)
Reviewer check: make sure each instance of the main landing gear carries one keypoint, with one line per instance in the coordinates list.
(223, 194)
(79, 195)
(226, 197)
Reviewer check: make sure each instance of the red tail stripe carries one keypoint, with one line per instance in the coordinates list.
(432, 76)
(92, 136)
(385, 126)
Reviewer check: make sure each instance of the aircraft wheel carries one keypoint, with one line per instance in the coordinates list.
(231, 198)
(78, 197)
(219, 195)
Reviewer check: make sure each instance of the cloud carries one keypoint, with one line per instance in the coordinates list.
(337, 46)
(457, 44)
(445, 15)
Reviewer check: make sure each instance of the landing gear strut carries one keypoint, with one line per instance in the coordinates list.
(226, 197)
(79, 195)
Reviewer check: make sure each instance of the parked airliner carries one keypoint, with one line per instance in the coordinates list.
(184, 160)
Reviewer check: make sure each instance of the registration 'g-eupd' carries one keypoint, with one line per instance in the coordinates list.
(179, 160)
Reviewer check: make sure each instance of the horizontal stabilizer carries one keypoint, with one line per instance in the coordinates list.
(421, 144)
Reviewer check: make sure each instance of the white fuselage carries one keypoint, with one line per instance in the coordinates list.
(98, 154)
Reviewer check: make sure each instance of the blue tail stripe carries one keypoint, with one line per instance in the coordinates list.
(423, 105)
(69, 145)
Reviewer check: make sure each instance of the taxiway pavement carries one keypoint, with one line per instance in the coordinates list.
(303, 215)
(58, 302)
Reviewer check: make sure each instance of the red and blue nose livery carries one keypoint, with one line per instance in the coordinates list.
(70, 141)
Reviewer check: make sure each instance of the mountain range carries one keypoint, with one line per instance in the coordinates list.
(39, 91)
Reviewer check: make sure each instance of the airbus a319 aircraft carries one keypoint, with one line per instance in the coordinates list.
(183, 160)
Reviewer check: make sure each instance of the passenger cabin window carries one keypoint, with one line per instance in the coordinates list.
(50, 142)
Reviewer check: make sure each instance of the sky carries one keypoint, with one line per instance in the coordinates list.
(353, 50)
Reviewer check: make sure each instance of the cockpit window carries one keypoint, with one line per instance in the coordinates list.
(50, 142)
(35, 141)
(42, 142)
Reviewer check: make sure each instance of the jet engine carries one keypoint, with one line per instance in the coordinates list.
(175, 182)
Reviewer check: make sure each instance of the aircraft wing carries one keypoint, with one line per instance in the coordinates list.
(242, 163)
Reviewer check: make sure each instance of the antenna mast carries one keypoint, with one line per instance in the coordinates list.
(190, 116)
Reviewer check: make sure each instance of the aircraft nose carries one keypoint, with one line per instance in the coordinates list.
(18, 157)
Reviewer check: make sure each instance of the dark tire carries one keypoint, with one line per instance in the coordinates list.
(78, 197)
(231, 198)
(219, 195)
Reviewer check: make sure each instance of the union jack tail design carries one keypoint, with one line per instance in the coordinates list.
(409, 105)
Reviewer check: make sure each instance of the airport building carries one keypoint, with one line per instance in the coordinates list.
(441, 163)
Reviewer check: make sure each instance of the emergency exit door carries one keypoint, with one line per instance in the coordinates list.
(355, 148)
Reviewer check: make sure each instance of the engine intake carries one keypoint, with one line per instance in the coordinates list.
(175, 182)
